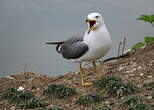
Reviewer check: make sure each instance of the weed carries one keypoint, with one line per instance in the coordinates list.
(131, 101)
(140, 107)
(21, 98)
(106, 81)
(102, 108)
(149, 86)
(52, 108)
(59, 91)
(138, 45)
(147, 18)
(148, 39)
(115, 86)
(8, 93)
(89, 98)
(15, 96)
(32, 103)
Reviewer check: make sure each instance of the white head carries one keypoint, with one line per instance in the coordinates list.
(94, 21)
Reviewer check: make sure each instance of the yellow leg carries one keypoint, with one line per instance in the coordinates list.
(82, 75)
(96, 70)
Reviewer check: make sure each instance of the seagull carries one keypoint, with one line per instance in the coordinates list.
(87, 47)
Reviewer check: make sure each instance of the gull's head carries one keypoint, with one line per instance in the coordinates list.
(94, 20)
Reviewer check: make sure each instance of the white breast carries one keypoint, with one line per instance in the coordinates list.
(99, 43)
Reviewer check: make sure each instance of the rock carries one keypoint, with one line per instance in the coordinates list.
(141, 74)
(20, 89)
(149, 76)
(149, 97)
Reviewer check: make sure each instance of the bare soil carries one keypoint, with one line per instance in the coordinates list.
(137, 68)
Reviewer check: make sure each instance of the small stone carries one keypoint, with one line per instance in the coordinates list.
(132, 74)
(141, 74)
(20, 89)
(122, 97)
(149, 76)
(149, 97)
(77, 72)
(127, 71)
(139, 67)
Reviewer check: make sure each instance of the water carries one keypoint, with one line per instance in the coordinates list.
(25, 26)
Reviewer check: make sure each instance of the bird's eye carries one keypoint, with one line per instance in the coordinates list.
(97, 17)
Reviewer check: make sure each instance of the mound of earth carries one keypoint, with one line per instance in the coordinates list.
(137, 68)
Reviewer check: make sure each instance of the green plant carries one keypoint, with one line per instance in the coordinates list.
(104, 82)
(59, 91)
(115, 86)
(140, 107)
(8, 93)
(102, 108)
(23, 99)
(51, 108)
(138, 45)
(149, 86)
(15, 96)
(32, 103)
(148, 39)
(89, 98)
(147, 18)
(130, 101)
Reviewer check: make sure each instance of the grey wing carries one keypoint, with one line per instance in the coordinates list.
(74, 47)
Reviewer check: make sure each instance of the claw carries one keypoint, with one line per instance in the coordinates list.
(86, 84)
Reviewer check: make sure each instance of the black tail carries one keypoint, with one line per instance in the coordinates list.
(56, 43)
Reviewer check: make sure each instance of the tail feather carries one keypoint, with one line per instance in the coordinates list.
(56, 43)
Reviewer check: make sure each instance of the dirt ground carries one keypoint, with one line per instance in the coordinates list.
(137, 68)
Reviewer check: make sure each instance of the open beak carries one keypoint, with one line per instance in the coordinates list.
(91, 24)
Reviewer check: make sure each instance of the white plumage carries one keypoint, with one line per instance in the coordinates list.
(91, 46)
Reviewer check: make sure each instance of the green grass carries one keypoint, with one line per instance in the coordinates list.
(102, 108)
(32, 103)
(51, 108)
(59, 91)
(138, 45)
(15, 96)
(131, 101)
(140, 107)
(89, 98)
(115, 86)
(22, 99)
(149, 86)
(148, 39)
